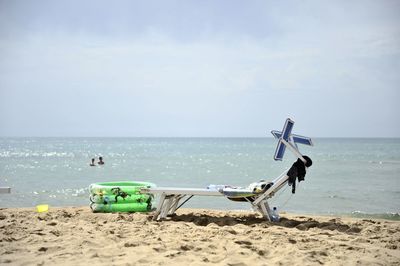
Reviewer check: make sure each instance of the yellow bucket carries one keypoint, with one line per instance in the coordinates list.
(42, 208)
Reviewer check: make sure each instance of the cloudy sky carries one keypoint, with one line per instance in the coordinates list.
(199, 68)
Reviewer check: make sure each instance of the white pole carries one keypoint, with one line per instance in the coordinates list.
(294, 150)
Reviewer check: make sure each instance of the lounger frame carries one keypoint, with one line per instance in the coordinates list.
(170, 197)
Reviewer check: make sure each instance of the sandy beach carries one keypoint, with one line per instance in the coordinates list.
(76, 236)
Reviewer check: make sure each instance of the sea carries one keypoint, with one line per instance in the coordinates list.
(357, 177)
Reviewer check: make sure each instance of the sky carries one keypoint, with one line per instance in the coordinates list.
(199, 68)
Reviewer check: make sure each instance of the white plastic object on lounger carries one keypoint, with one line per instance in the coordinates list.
(5, 190)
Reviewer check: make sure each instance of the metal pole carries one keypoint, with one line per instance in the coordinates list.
(294, 150)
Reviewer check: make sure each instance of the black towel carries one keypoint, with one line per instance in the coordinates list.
(298, 170)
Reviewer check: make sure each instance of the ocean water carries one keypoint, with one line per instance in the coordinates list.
(358, 177)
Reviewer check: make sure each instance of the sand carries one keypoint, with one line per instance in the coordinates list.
(76, 236)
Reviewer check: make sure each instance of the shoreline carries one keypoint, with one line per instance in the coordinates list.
(75, 235)
(388, 216)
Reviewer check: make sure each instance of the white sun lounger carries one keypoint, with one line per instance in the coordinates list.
(170, 197)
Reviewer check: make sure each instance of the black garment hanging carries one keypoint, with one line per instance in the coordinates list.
(298, 170)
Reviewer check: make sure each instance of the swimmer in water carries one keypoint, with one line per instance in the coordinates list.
(100, 160)
(92, 164)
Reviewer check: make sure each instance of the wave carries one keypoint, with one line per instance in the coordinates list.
(395, 216)
(7, 154)
(384, 162)
(72, 192)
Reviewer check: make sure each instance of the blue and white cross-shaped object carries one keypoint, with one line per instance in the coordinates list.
(287, 139)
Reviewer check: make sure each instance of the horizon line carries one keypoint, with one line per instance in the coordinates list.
(194, 137)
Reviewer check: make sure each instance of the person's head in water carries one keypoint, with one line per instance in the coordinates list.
(92, 164)
(101, 160)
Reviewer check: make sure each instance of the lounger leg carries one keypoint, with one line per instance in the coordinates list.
(265, 209)
(257, 208)
(159, 209)
(167, 206)
(174, 205)
(163, 210)
(269, 212)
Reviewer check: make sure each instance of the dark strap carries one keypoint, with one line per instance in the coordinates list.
(184, 202)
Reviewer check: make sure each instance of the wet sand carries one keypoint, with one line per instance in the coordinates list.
(76, 236)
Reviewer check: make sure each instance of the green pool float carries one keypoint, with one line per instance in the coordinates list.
(123, 196)
(121, 207)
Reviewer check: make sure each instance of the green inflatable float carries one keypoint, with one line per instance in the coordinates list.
(120, 197)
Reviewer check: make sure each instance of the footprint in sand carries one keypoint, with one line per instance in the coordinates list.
(186, 247)
(243, 242)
